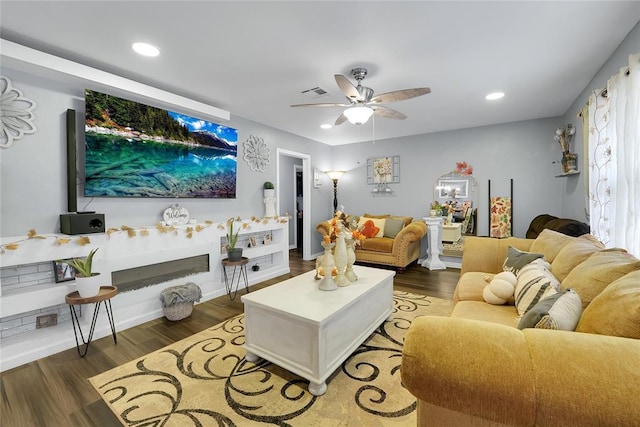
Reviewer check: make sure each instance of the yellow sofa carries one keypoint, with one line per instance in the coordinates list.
(476, 369)
(398, 252)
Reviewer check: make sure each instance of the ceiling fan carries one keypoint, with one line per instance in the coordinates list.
(362, 104)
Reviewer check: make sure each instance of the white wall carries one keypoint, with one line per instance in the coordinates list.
(522, 151)
(33, 170)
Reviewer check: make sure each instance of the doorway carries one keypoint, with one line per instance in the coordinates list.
(298, 195)
(283, 158)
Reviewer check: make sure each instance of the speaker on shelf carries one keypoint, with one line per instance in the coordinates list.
(82, 223)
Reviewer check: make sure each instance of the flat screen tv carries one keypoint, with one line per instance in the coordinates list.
(135, 150)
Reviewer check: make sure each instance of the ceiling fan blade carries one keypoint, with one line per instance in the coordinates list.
(341, 119)
(321, 105)
(347, 87)
(389, 113)
(400, 95)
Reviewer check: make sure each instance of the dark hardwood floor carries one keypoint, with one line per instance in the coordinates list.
(54, 391)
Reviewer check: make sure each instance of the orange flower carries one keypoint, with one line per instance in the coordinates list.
(327, 239)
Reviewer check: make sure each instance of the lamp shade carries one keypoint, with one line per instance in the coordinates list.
(335, 174)
(358, 115)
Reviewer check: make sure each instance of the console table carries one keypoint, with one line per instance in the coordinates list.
(104, 296)
(434, 231)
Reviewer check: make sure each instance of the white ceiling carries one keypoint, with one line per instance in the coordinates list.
(255, 58)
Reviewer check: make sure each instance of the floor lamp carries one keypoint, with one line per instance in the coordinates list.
(335, 176)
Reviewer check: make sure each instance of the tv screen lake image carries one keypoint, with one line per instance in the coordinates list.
(117, 166)
(136, 150)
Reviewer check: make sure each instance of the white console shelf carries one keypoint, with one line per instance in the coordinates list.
(122, 250)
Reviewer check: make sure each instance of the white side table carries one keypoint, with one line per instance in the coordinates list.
(452, 232)
(434, 231)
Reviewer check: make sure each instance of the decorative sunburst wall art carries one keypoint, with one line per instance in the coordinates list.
(256, 153)
(17, 115)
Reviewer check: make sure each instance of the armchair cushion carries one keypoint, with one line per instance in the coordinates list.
(377, 244)
(369, 228)
(392, 226)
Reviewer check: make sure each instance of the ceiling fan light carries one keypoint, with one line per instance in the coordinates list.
(358, 115)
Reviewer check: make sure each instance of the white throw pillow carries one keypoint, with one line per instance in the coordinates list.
(535, 282)
(561, 311)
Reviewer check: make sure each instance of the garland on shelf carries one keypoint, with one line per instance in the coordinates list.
(142, 232)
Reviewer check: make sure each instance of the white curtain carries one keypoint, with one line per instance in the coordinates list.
(614, 160)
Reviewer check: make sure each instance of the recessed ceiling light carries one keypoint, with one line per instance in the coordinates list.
(495, 95)
(145, 49)
(326, 126)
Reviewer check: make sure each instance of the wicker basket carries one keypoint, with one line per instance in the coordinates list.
(178, 311)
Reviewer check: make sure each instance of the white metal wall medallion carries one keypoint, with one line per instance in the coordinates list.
(16, 114)
(256, 153)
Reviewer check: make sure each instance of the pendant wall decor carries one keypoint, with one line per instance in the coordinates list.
(256, 153)
(17, 115)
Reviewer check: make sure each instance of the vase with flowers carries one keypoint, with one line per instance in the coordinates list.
(569, 160)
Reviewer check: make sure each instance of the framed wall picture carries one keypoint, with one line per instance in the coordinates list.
(62, 270)
(383, 170)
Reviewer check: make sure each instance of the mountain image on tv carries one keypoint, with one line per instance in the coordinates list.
(136, 150)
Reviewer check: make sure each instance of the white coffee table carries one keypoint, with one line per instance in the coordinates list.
(311, 332)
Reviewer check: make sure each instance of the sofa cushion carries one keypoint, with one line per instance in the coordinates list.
(378, 244)
(616, 311)
(516, 259)
(560, 311)
(392, 226)
(574, 253)
(550, 243)
(471, 285)
(535, 282)
(476, 310)
(593, 275)
(407, 219)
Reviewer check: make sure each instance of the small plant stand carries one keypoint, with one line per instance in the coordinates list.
(104, 296)
(239, 271)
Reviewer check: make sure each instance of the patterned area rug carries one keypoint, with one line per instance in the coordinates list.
(204, 380)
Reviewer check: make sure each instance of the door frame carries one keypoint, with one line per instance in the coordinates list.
(306, 190)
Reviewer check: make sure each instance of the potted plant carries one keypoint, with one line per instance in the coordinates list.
(269, 189)
(435, 209)
(233, 253)
(87, 281)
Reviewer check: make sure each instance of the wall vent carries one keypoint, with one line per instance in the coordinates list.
(314, 92)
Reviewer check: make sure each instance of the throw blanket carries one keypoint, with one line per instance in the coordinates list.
(189, 292)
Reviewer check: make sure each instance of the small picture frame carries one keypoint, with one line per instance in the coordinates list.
(252, 242)
(267, 239)
(63, 271)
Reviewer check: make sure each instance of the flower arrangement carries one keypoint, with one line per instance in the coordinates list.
(342, 221)
(464, 169)
(564, 136)
(436, 206)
